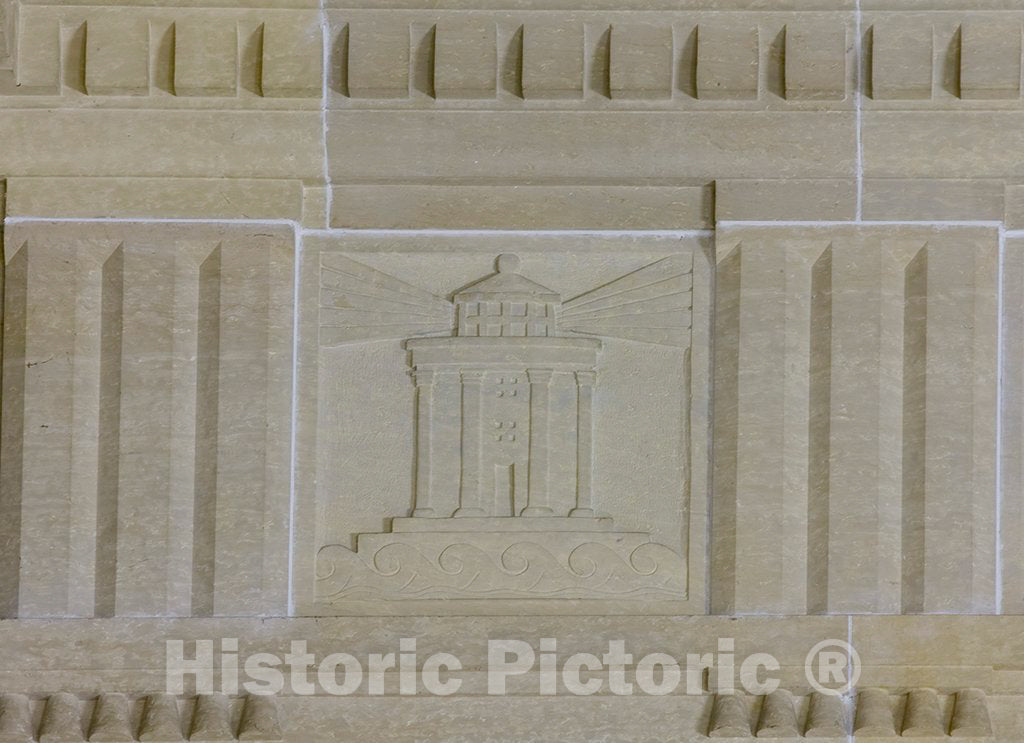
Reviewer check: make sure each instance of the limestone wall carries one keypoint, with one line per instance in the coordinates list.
(793, 231)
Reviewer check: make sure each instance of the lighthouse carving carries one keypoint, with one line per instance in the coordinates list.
(505, 378)
(508, 369)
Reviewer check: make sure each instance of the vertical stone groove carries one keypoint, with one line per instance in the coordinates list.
(14, 284)
(206, 449)
(109, 428)
(915, 325)
(726, 427)
(819, 433)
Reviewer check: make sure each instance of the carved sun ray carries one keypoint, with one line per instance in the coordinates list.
(650, 305)
(359, 303)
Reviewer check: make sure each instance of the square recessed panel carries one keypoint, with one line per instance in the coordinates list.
(553, 61)
(502, 428)
(990, 59)
(901, 59)
(465, 59)
(641, 61)
(727, 61)
(378, 58)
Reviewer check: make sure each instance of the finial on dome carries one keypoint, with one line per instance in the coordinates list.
(508, 263)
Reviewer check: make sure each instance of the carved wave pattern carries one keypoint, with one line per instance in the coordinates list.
(400, 570)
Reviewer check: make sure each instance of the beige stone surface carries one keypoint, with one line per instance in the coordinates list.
(165, 144)
(727, 61)
(141, 386)
(662, 322)
(833, 382)
(205, 58)
(291, 65)
(378, 59)
(815, 61)
(375, 478)
(139, 662)
(933, 145)
(785, 199)
(546, 145)
(632, 206)
(1012, 471)
(901, 58)
(117, 57)
(990, 59)
(640, 63)
(945, 199)
(553, 61)
(156, 198)
(465, 59)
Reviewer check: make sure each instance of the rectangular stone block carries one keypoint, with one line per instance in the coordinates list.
(315, 205)
(972, 144)
(378, 59)
(947, 646)
(162, 142)
(727, 61)
(901, 58)
(502, 207)
(167, 198)
(792, 199)
(205, 57)
(553, 60)
(293, 63)
(815, 61)
(117, 56)
(571, 144)
(1013, 206)
(465, 59)
(933, 199)
(38, 52)
(641, 61)
(990, 59)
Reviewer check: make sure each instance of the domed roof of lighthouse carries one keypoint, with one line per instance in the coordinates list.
(507, 285)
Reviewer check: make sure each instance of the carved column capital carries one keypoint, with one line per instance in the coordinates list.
(586, 378)
(424, 377)
(540, 376)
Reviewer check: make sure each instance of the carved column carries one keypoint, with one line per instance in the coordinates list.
(469, 492)
(538, 496)
(424, 424)
(584, 444)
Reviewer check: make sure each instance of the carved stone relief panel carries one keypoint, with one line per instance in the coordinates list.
(488, 428)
